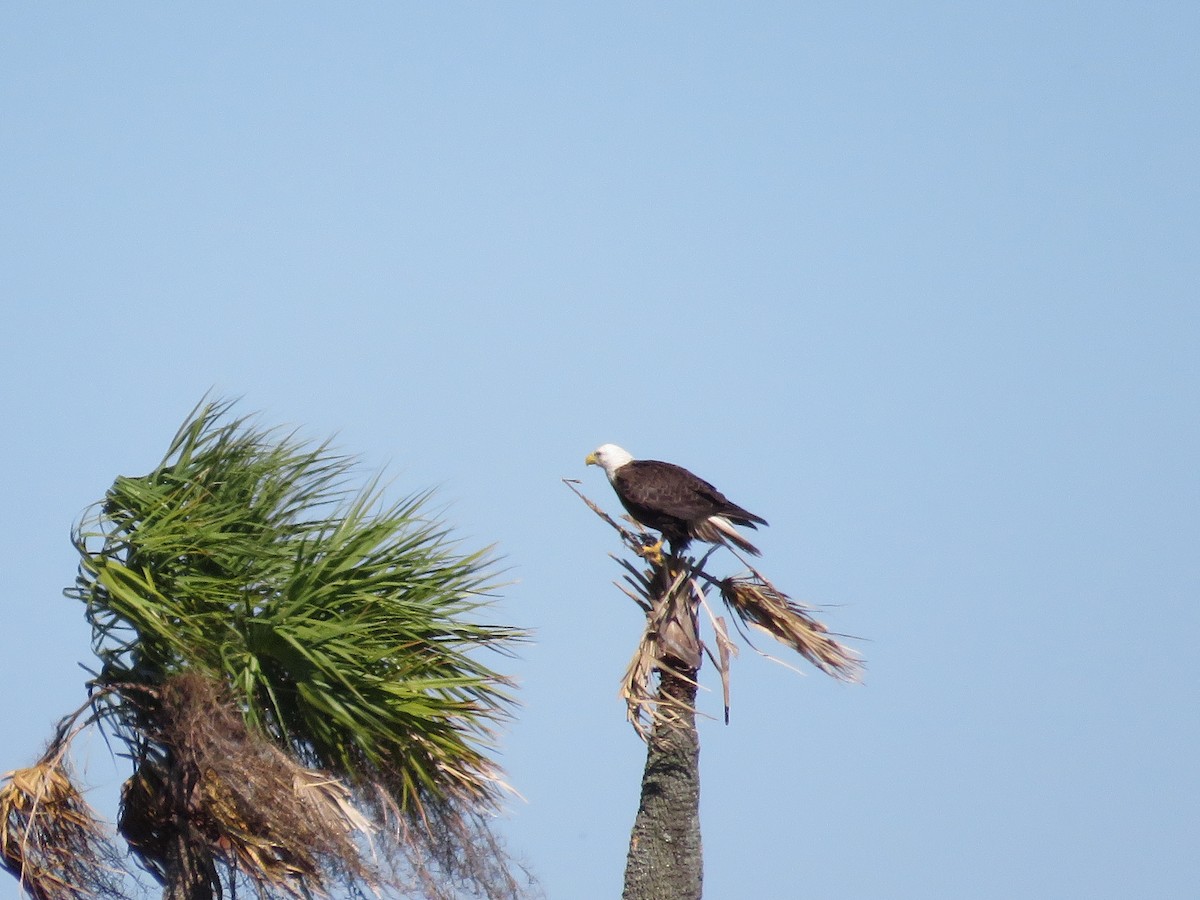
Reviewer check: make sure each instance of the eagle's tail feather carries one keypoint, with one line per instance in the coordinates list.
(743, 517)
(719, 530)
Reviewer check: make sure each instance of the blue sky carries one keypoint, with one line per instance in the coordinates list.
(916, 282)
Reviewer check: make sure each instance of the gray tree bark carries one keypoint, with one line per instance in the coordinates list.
(665, 860)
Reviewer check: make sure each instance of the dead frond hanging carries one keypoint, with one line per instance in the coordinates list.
(670, 641)
(763, 606)
(670, 591)
(50, 838)
(287, 829)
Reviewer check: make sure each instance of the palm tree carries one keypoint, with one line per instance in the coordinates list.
(294, 668)
(660, 684)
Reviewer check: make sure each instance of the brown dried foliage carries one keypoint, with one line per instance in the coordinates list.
(670, 592)
(288, 829)
(285, 829)
(50, 838)
(761, 605)
(670, 640)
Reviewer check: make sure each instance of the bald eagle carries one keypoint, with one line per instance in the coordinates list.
(673, 501)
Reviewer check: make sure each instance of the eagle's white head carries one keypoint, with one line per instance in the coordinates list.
(609, 457)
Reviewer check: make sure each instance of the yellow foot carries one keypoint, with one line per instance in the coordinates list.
(653, 553)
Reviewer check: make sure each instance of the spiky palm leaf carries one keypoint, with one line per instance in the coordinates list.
(342, 627)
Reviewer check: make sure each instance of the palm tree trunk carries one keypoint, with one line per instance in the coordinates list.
(665, 859)
(155, 821)
(190, 872)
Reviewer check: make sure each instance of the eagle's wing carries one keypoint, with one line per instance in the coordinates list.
(664, 488)
(673, 491)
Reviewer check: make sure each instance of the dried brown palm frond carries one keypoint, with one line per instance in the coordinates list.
(726, 650)
(763, 606)
(670, 596)
(287, 829)
(670, 591)
(50, 838)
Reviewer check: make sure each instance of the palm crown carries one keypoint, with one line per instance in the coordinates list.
(244, 599)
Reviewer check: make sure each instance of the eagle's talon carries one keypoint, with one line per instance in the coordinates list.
(652, 552)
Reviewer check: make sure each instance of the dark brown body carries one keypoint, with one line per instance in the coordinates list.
(673, 501)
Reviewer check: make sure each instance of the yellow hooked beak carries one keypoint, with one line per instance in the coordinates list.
(591, 460)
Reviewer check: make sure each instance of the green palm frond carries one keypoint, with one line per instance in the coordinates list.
(341, 624)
